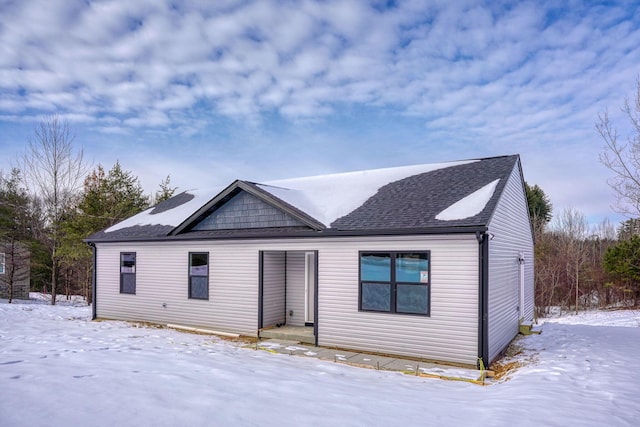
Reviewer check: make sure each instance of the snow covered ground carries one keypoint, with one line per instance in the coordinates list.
(58, 368)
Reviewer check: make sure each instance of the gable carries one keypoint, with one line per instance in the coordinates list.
(243, 211)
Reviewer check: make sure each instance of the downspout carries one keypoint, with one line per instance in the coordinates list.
(315, 297)
(483, 299)
(94, 281)
(286, 313)
(260, 289)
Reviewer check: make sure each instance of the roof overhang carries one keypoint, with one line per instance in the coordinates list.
(326, 233)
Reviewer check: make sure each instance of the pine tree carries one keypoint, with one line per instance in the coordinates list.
(106, 200)
(539, 206)
(14, 230)
(165, 192)
(623, 262)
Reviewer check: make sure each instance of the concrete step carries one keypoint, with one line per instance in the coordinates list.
(526, 328)
(284, 334)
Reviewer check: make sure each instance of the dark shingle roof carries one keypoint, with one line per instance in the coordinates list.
(132, 233)
(171, 203)
(415, 201)
(410, 203)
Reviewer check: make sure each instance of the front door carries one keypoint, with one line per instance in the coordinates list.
(309, 286)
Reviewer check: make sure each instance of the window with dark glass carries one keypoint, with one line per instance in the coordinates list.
(127, 272)
(395, 282)
(199, 275)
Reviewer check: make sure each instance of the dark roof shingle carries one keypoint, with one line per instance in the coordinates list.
(410, 203)
(414, 202)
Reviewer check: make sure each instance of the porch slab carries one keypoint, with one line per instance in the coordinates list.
(287, 347)
(301, 334)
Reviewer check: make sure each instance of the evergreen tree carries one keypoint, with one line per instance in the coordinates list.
(540, 207)
(629, 228)
(106, 200)
(14, 230)
(165, 192)
(622, 261)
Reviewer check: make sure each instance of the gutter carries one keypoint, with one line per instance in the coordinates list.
(304, 234)
(483, 299)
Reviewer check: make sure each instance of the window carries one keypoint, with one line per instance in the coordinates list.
(2, 263)
(395, 282)
(127, 272)
(199, 275)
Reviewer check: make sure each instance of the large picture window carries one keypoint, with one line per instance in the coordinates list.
(127, 272)
(395, 282)
(199, 275)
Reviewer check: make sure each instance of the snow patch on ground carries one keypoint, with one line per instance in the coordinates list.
(59, 368)
(627, 318)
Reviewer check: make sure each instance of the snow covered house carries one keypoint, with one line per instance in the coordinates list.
(430, 261)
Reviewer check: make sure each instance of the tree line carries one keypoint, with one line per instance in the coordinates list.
(578, 266)
(53, 200)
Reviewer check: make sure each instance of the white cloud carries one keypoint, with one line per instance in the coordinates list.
(494, 78)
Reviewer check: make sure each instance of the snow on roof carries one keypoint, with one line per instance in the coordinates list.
(470, 205)
(171, 217)
(329, 197)
(323, 197)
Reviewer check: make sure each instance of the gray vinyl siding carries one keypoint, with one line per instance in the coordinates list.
(273, 285)
(511, 236)
(162, 278)
(449, 334)
(295, 288)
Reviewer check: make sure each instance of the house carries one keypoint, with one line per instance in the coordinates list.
(14, 270)
(429, 261)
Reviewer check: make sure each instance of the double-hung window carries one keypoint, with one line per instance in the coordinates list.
(199, 275)
(127, 272)
(2, 263)
(395, 282)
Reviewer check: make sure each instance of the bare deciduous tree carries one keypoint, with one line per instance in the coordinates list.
(572, 229)
(54, 174)
(569, 271)
(622, 156)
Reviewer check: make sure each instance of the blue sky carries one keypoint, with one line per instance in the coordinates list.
(213, 91)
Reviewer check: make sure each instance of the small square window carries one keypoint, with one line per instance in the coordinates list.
(395, 282)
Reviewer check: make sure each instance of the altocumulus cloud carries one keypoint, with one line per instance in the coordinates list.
(134, 64)
(480, 77)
